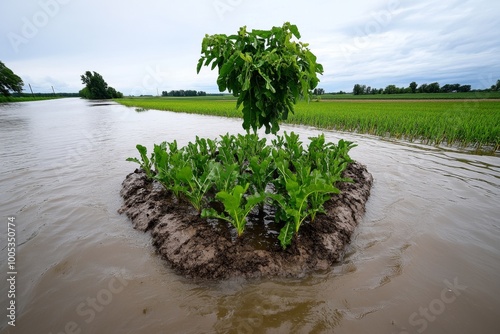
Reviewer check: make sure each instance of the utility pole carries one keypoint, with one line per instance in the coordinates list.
(31, 91)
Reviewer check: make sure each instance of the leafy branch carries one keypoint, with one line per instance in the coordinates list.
(268, 70)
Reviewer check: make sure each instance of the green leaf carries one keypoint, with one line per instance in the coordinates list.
(228, 65)
(212, 213)
(262, 33)
(246, 86)
(231, 200)
(133, 160)
(200, 64)
(185, 174)
(286, 234)
(292, 185)
(295, 31)
(142, 149)
(247, 117)
(221, 82)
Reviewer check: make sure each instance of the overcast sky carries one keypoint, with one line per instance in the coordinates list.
(140, 47)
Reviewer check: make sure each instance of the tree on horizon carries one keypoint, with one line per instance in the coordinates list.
(9, 81)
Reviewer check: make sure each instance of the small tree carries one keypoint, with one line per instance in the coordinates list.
(266, 69)
(464, 88)
(423, 88)
(391, 89)
(357, 89)
(433, 87)
(318, 91)
(9, 81)
(97, 88)
(413, 87)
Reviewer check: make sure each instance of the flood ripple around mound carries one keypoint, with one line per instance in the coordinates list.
(195, 247)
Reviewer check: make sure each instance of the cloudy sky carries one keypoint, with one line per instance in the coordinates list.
(140, 47)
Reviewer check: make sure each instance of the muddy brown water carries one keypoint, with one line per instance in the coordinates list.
(426, 257)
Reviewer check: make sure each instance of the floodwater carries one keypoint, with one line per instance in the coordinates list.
(426, 257)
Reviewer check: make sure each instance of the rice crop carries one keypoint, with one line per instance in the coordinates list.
(467, 123)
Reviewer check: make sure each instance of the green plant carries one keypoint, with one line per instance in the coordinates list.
(267, 70)
(261, 172)
(145, 162)
(236, 206)
(198, 154)
(227, 149)
(295, 205)
(164, 163)
(225, 176)
(250, 145)
(194, 187)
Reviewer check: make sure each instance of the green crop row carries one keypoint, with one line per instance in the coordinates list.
(244, 172)
(465, 123)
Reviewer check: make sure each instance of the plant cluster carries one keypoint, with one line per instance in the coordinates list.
(229, 177)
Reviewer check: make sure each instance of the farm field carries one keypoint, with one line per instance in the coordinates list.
(467, 123)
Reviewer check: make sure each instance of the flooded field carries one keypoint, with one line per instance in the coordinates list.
(425, 258)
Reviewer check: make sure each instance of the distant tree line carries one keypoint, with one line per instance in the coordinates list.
(413, 88)
(183, 93)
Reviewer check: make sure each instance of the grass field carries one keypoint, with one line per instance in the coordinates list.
(465, 123)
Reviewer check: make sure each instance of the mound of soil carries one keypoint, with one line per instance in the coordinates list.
(198, 248)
